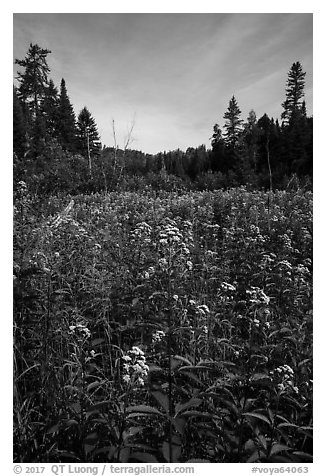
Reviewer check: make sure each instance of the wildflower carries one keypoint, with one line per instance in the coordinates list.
(126, 378)
(190, 265)
(204, 308)
(227, 287)
(92, 353)
(175, 297)
(256, 322)
(137, 350)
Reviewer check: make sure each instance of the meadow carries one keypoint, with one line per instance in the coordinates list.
(163, 327)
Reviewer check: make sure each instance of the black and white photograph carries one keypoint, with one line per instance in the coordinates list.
(162, 240)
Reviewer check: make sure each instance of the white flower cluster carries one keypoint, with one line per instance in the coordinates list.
(201, 309)
(135, 369)
(149, 273)
(287, 242)
(257, 296)
(142, 232)
(169, 235)
(226, 287)
(256, 236)
(284, 375)
(80, 330)
(158, 336)
(267, 260)
(163, 264)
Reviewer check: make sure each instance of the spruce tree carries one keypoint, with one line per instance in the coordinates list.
(19, 127)
(294, 105)
(233, 124)
(66, 121)
(49, 109)
(34, 79)
(88, 138)
(218, 158)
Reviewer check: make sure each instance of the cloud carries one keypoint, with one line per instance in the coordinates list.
(177, 72)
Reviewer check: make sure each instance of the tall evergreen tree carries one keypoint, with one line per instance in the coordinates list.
(49, 109)
(218, 162)
(87, 133)
(88, 140)
(251, 134)
(19, 126)
(233, 124)
(66, 121)
(34, 79)
(293, 105)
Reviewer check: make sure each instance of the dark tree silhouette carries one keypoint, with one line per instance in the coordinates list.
(34, 79)
(66, 121)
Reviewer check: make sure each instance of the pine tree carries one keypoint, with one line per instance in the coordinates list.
(233, 124)
(19, 127)
(88, 140)
(33, 81)
(217, 157)
(49, 109)
(66, 121)
(293, 105)
(251, 134)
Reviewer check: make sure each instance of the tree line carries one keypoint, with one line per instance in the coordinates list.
(56, 151)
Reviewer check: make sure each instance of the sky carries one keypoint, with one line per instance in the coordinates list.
(171, 74)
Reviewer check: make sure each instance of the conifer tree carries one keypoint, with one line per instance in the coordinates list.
(233, 124)
(88, 140)
(294, 105)
(251, 135)
(87, 133)
(49, 109)
(66, 121)
(34, 79)
(19, 126)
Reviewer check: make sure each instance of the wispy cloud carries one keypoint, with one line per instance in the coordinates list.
(177, 72)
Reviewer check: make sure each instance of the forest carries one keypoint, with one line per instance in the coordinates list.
(56, 152)
(162, 303)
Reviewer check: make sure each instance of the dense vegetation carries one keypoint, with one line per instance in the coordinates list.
(175, 327)
(162, 303)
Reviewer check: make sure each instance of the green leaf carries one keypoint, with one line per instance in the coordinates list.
(143, 409)
(162, 399)
(53, 429)
(177, 360)
(259, 416)
(93, 385)
(144, 457)
(96, 342)
(175, 450)
(301, 454)
(194, 402)
(132, 431)
(256, 455)
(277, 448)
